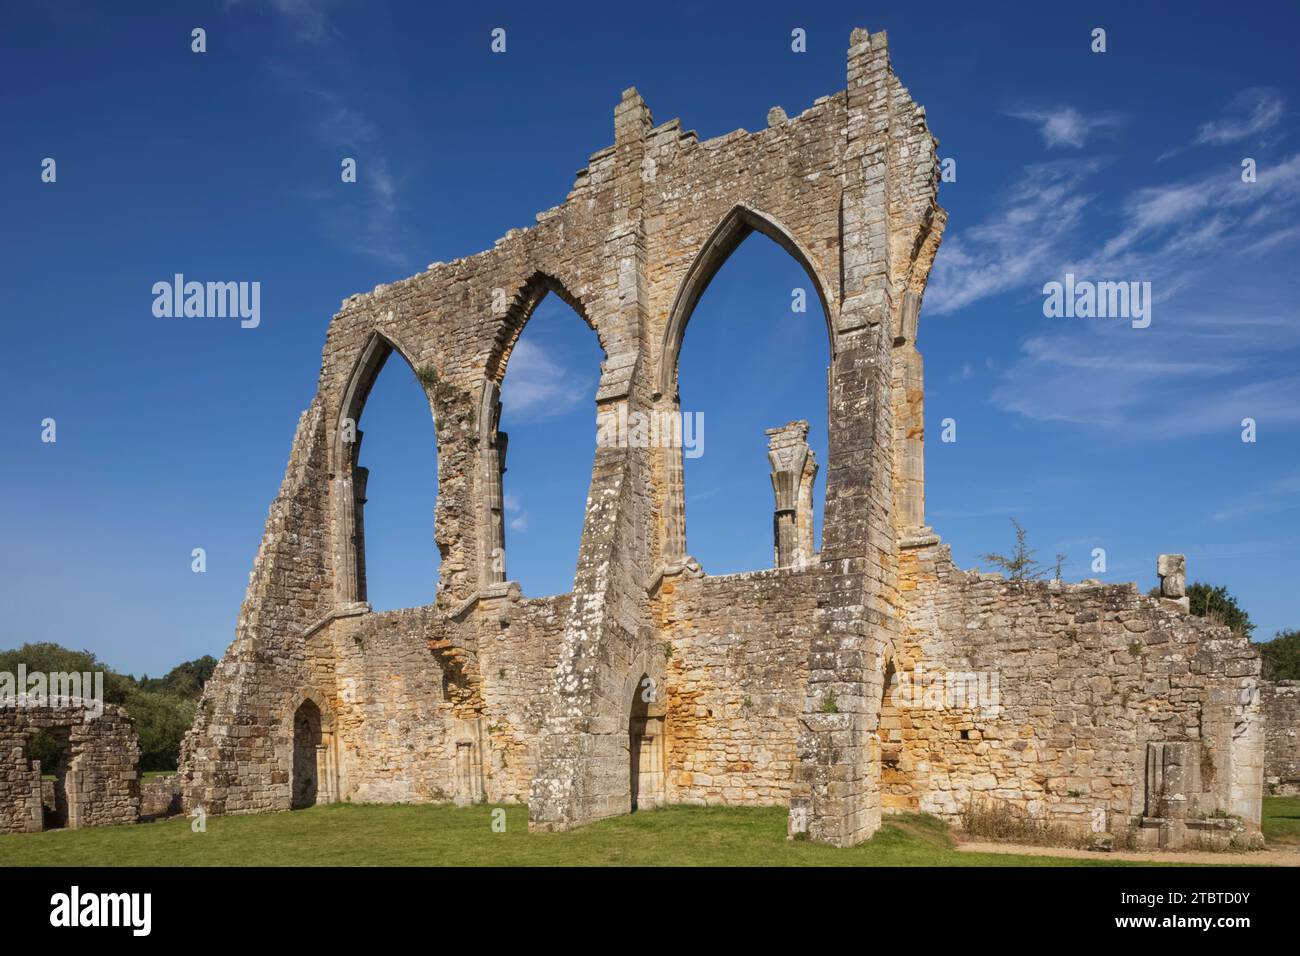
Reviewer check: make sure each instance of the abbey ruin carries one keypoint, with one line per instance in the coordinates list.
(653, 682)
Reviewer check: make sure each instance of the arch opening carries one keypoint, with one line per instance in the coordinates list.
(753, 375)
(386, 556)
(307, 748)
(549, 373)
(895, 775)
(737, 226)
(646, 750)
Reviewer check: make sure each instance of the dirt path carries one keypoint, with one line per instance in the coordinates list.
(1278, 855)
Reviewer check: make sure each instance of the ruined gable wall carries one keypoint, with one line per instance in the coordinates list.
(848, 187)
(736, 670)
(232, 757)
(1281, 705)
(1088, 674)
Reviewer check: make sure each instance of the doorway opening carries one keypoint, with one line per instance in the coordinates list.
(306, 741)
(645, 731)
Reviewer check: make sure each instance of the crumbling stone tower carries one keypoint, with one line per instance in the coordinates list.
(651, 682)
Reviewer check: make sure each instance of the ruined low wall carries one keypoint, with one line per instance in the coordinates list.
(436, 706)
(391, 707)
(1281, 705)
(160, 796)
(99, 777)
(1088, 675)
(518, 649)
(736, 674)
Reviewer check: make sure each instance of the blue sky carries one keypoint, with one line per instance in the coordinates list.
(173, 433)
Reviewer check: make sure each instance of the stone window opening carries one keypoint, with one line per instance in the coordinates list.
(783, 344)
(367, 539)
(897, 793)
(538, 404)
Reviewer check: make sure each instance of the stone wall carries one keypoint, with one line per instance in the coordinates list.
(736, 652)
(651, 681)
(1085, 678)
(160, 796)
(96, 784)
(1281, 705)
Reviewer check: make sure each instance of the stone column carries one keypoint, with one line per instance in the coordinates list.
(348, 491)
(326, 784)
(794, 469)
(345, 551)
(492, 469)
(674, 520)
(360, 478)
(582, 770)
(909, 421)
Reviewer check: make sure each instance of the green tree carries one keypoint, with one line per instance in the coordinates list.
(161, 708)
(1282, 656)
(51, 658)
(1217, 606)
(1020, 564)
(184, 680)
(160, 722)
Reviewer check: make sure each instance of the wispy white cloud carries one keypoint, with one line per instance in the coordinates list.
(1251, 112)
(1041, 212)
(1066, 126)
(1225, 332)
(362, 215)
(537, 386)
(515, 508)
(306, 20)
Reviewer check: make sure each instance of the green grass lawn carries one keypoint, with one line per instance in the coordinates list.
(349, 834)
(356, 835)
(1281, 820)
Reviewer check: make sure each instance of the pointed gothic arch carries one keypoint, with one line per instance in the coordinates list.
(521, 308)
(734, 229)
(347, 477)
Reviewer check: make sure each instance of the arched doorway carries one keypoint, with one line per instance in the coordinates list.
(895, 778)
(645, 732)
(306, 741)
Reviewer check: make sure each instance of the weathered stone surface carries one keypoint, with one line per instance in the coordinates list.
(1280, 701)
(95, 785)
(778, 686)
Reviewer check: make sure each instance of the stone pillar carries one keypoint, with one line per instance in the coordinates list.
(360, 478)
(492, 469)
(345, 550)
(674, 521)
(582, 771)
(909, 421)
(1173, 778)
(835, 797)
(1172, 569)
(794, 469)
(326, 783)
